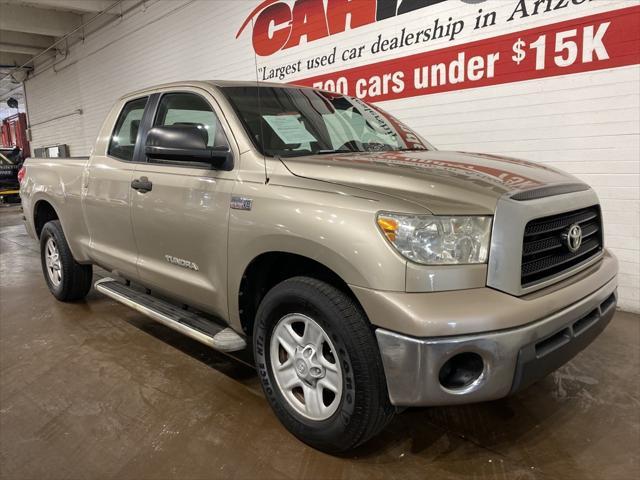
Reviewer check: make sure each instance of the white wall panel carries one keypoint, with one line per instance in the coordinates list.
(586, 123)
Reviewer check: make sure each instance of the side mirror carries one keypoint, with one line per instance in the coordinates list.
(185, 143)
(222, 156)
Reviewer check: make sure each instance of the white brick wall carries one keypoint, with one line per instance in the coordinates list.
(587, 124)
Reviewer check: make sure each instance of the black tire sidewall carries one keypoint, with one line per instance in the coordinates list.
(299, 298)
(53, 230)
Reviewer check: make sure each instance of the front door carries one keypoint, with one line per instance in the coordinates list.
(181, 223)
(106, 194)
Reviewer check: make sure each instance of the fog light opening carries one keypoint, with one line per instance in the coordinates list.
(461, 370)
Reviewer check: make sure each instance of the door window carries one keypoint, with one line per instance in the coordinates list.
(191, 109)
(125, 134)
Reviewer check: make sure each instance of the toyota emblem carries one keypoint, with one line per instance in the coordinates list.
(572, 237)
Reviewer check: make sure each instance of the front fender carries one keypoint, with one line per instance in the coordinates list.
(337, 231)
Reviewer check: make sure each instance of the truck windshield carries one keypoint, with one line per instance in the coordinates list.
(293, 122)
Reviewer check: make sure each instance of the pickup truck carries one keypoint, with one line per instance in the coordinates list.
(365, 270)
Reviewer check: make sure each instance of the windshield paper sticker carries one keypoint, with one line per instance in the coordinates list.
(289, 128)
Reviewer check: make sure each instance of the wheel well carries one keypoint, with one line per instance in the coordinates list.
(269, 269)
(43, 213)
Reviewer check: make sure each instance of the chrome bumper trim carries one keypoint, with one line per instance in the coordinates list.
(412, 364)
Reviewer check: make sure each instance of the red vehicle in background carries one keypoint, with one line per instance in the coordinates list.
(14, 134)
(15, 148)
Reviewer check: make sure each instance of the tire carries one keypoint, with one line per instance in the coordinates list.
(67, 279)
(363, 408)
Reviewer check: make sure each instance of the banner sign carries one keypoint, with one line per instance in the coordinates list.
(278, 25)
(605, 40)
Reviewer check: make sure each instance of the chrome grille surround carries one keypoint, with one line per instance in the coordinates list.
(511, 218)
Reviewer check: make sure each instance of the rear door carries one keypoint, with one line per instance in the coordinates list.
(107, 195)
(181, 224)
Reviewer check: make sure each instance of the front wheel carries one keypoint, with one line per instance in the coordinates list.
(320, 366)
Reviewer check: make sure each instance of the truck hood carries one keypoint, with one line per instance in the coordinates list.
(442, 182)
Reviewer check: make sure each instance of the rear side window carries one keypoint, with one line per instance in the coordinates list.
(191, 109)
(123, 139)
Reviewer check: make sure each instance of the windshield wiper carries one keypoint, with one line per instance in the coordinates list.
(411, 150)
(339, 150)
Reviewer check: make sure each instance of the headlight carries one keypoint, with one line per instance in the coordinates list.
(438, 240)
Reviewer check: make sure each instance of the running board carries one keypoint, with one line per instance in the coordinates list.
(181, 320)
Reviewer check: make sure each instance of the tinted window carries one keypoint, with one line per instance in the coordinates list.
(123, 140)
(191, 109)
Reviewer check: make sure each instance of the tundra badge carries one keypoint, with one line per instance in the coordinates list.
(181, 262)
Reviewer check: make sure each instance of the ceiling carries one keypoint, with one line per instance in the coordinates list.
(29, 27)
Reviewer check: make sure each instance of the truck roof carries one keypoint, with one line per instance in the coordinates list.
(208, 83)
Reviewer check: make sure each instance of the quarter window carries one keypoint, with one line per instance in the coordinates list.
(125, 135)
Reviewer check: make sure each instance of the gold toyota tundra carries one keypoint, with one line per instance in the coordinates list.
(366, 270)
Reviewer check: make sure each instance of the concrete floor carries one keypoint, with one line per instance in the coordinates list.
(95, 390)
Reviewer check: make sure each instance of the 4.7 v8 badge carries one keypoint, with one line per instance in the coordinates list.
(241, 203)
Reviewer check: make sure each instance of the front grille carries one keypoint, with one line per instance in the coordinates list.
(545, 254)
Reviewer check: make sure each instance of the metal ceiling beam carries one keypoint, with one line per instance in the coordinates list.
(39, 21)
(26, 39)
(12, 48)
(14, 58)
(27, 43)
(81, 6)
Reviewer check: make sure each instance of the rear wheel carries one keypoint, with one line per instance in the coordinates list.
(67, 279)
(319, 365)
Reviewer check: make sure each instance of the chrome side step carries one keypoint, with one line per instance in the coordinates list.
(183, 321)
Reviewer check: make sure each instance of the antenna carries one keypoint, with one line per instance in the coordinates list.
(264, 159)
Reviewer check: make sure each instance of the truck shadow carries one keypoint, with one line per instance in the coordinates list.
(551, 428)
(497, 427)
(238, 366)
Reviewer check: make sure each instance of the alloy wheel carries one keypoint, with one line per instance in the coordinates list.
(306, 366)
(52, 261)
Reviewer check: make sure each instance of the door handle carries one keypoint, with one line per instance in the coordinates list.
(142, 184)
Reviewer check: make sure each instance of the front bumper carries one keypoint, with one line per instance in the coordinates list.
(513, 358)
